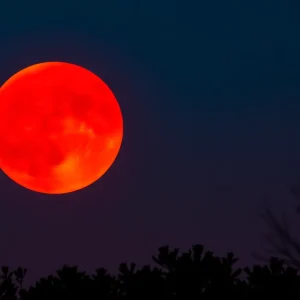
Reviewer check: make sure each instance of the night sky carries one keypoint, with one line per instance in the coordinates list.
(210, 95)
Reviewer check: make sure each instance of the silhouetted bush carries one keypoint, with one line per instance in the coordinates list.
(195, 274)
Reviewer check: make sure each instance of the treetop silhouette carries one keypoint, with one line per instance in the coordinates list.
(194, 274)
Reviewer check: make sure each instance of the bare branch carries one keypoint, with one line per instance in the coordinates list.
(281, 240)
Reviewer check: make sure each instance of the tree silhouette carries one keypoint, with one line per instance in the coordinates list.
(11, 282)
(68, 282)
(104, 285)
(280, 238)
(273, 280)
(146, 283)
(193, 274)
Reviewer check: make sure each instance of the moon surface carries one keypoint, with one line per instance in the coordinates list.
(61, 127)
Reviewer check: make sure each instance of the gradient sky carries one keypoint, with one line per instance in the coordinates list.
(210, 95)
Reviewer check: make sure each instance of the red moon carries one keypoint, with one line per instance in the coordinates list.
(61, 127)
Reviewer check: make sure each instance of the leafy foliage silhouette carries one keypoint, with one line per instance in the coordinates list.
(194, 274)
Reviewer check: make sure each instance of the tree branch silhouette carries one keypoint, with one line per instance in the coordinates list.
(280, 238)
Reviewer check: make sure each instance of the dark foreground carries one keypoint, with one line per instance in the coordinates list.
(196, 274)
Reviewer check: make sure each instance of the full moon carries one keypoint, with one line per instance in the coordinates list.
(61, 127)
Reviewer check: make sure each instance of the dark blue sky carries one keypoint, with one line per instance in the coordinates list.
(210, 95)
